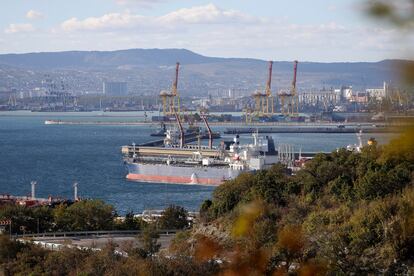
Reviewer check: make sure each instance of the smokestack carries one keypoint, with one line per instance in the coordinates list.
(75, 191)
(33, 183)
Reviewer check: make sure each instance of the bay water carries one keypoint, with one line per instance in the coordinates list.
(56, 156)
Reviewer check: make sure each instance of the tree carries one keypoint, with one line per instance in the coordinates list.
(85, 215)
(341, 187)
(270, 185)
(9, 248)
(174, 217)
(30, 261)
(228, 195)
(381, 182)
(130, 223)
(32, 219)
(149, 241)
(65, 261)
(204, 210)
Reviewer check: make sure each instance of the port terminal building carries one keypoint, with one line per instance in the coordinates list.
(115, 88)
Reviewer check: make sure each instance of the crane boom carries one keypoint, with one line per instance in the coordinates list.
(180, 127)
(210, 133)
(295, 71)
(269, 79)
(175, 84)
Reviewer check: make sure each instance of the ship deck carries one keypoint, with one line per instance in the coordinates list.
(163, 151)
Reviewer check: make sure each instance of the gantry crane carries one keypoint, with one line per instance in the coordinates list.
(265, 100)
(289, 99)
(12, 103)
(171, 100)
(248, 114)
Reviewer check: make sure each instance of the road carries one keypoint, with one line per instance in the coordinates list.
(99, 242)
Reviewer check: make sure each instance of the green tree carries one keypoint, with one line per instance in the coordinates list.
(85, 215)
(381, 182)
(31, 219)
(228, 195)
(342, 188)
(270, 185)
(174, 217)
(130, 222)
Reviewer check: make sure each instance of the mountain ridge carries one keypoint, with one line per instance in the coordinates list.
(136, 57)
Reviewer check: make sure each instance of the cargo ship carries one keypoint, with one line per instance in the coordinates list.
(175, 162)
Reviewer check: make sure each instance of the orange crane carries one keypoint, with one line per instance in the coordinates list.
(289, 99)
(210, 132)
(180, 127)
(171, 100)
(294, 98)
(264, 100)
(269, 95)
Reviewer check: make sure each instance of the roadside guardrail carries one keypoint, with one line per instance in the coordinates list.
(91, 233)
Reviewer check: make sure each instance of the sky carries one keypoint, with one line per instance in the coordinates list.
(307, 30)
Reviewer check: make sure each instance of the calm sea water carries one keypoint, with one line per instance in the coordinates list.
(58, 155)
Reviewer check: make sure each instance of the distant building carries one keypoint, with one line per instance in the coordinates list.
(324, 96)
(115, 88)
(347, 93)
(203, 102)
(378, 93)
(360, 97)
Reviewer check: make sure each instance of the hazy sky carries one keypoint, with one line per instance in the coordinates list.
(313, 30)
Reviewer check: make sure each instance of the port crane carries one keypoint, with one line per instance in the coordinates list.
(289, 99)
(210, 132)
(171, 100)
(248, 114)
(264, 105)
(12, 103)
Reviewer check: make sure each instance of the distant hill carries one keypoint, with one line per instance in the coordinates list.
(101, 60)
(153, 68)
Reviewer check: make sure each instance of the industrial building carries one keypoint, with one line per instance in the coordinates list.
(115, 88)
(378, 93)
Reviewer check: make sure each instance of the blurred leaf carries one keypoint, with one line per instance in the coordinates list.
(379, 9)
(244, 223)
(400, 148)
(407, 73)
(312, 269)
(291, 240)
(206, 249)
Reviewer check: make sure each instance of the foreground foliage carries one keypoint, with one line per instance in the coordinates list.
(344, 213)
(87, 215)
